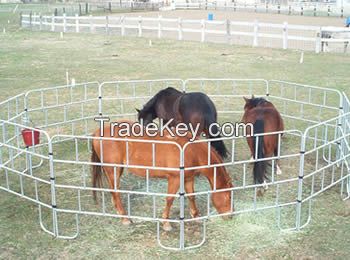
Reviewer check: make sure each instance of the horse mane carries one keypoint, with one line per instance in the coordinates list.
(257, 101)
(149, 106)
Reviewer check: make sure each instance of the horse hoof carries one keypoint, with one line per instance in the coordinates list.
(196, 216)
(260, 192)
(265, 186)
(167, 227)
(126, 222)
(279, 172)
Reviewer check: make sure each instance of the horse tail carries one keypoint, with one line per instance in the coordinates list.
(219, 145)
(96, 172)
(259, 166)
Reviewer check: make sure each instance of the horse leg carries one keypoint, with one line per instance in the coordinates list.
(278, 168)
(189, 188)
(251, 148)
(116, 199)
(173, 187)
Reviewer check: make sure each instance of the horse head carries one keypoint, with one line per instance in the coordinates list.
(144, 116)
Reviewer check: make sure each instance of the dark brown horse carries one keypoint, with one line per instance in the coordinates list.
(194, 108)
(265, 119)
(166, 155)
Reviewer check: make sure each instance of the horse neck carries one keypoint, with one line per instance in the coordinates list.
(222, 181)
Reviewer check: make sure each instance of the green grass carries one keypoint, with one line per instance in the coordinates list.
(31, 60)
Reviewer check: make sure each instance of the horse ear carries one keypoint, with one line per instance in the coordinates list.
(138, 110)
(246, 99)
(253, 96)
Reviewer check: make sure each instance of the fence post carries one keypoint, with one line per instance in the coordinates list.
(140, 26)
(80, 9)
(300, 183)
(53, 23)
(91, 24)
(289, 10)
(302, 11)
(329, 11)
(318, 40)
(315, 10)
(234, 7)
(122, 25)
(20, 19)
(107, 25)
(110, 7)
(256, 29)
(267, 7)
(278, 9)
(342, 12)
(228, 30)
(179, 21)
(64, 23)
(285, 35)
(86, 8)
(30, 19)
(202, 30)
(76, 23)
(56, 12)
(40, 22)
(159, 26)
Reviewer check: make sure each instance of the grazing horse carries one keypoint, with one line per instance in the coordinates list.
(189, 108)
(265, 118)
(167, 155)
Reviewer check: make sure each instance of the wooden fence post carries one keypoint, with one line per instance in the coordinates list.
(92, 29)
(278, 9)
(315, 10)
(289, 10)
(228, 31)
(140, 27)
(30, 19)
(80, 10)
(76, 23)
(40, 22)
(107, 25)
(20, 19)
(285, 35)
(256, 32)
(179, 25)
(159, 26)
(329, 11)
(318, 40)
(86, 8)
(202, 30)
(302, 11)
(64, 23)
(53, 23)
(110, 7)
(122, 25)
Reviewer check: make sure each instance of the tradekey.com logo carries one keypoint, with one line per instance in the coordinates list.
(138, 129)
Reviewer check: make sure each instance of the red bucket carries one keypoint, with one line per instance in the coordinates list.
(30, 136)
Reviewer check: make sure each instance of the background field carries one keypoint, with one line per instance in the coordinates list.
(31, 60)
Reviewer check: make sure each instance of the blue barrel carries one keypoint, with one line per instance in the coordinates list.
(347, 23)
(210, 17)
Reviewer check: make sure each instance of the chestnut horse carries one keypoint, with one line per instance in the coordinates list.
(166, 155)
(189, 108)
(265, 118)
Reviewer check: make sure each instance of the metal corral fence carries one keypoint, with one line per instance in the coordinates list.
(313, 153)
(286, 36)
(292, 8)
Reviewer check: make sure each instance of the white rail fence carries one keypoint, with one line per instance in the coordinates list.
(307, 9)
(272, 35)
